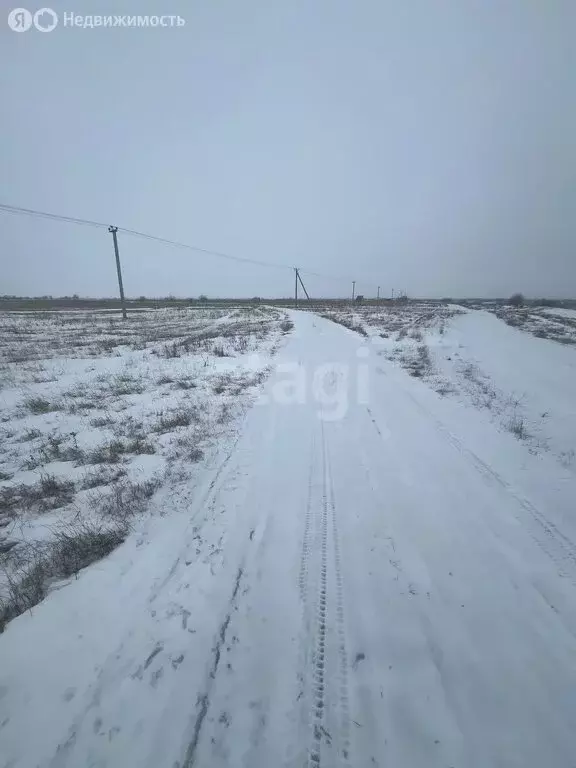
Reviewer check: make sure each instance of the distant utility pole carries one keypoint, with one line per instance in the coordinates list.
(114, 230)
(392, 292)
(378, 294)
(302, 284)
(353, 289)
(298, 279)
(295, 287)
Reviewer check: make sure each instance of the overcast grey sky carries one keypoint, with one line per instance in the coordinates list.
(424, 145)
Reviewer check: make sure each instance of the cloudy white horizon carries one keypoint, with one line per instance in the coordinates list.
(422, 146)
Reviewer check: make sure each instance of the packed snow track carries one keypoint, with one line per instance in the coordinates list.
(371, 576)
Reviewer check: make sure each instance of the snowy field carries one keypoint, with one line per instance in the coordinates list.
(100, 417)
(555, 324)
(569, 313)
(339, 541)
(524, 385)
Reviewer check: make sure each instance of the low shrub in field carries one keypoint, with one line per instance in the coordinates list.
(48, 493)
(124, 499)
(39, 405)
(187, 449)
(168, 421)
(517, 426)
(107, 453)
(124, 384)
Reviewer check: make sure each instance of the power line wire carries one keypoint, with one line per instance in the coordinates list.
(173, 243)
(339, 278)
(134, 233)
(43, 214)
(219, 254)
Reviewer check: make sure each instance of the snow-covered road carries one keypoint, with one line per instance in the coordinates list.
(359, 590)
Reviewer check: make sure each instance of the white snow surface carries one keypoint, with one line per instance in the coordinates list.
(536, 376)
(381, 579)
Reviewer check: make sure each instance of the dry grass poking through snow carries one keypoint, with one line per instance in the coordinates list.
(540, 322)
(400, 329)
(416, 336)
(100, 417)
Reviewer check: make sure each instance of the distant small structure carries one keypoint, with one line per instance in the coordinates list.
(359, 298)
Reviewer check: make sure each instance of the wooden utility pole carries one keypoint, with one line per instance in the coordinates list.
(295, 287)
(302, 284)
(114, 230)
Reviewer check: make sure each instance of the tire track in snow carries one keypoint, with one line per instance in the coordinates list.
(307, 577)
(205, 500)
(319, 656)
(330, 745)
(203, 700)
(344, 731)
(307, 538)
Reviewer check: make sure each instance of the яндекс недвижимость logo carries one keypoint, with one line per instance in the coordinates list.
(21, 20)
(45, 20)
